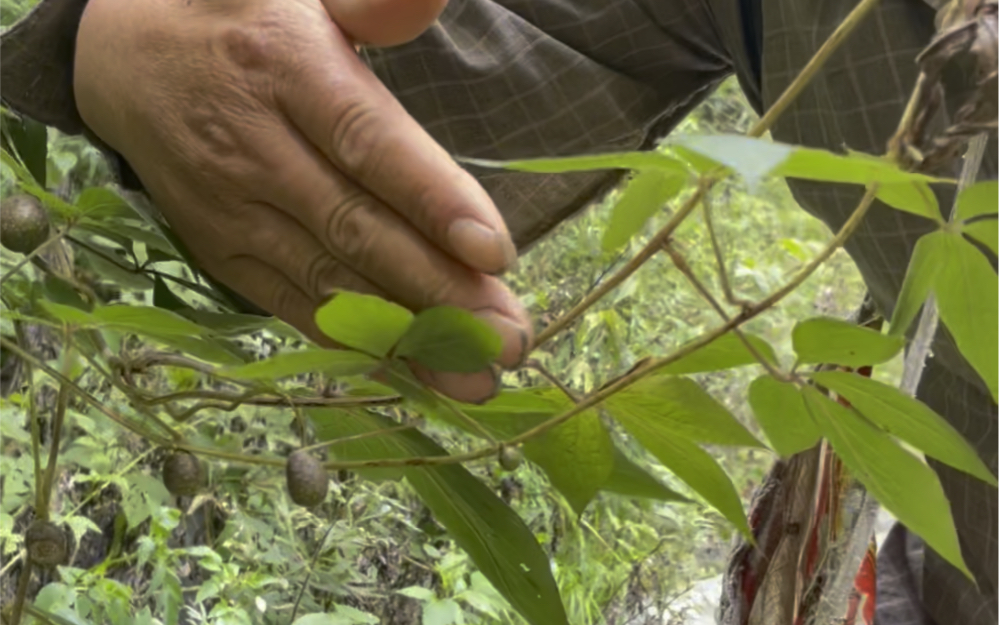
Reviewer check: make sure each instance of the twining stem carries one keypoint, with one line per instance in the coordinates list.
(58, 418)
(835, 40)
(706, 181)
(684, 267)
(726, 285)
(639, 259)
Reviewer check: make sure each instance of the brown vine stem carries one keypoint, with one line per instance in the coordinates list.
(552, 379)
(304, 402)
(58, 418)
(706, 181)
(684, 267)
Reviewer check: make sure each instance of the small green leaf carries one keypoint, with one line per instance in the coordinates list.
(31, 187)
(985, 231)
(908, 419)
(906, 487)
(914, 197)
(164, 298)
(835, 341)
(145, 320)
(682, 408)
(495, 538)
(630, 480)
(450, 339)
(363, 322)
(979, 199)
(919, 278)
(688, 462)
(725, 352)
(780, 410)
(334, 363)
(967, 293)
(621, 160)
(642, 197)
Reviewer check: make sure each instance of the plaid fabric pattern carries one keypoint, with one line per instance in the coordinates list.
(522, 78)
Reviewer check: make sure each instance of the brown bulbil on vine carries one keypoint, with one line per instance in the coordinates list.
(182, 473)
(46, 542)
(308, 480)
(510, 458)
(24, 224)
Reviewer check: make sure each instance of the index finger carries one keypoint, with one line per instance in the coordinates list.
(339, 105)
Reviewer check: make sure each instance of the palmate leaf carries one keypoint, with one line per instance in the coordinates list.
(835, 341)
(907, 419)
(726, 352)
(906, 487)
(575, 457)
(919, 278)
(780, 410)
(642, 197)
(967, 293)
(682, 407)
(495, 538)
(688, 462)
(985, 231)
(979, 199)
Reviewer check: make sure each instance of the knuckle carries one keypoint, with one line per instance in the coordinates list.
(322, 275)
(351, 228)
(253, 44)
(353, 136)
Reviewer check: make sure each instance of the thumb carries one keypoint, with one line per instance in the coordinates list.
(383, 23)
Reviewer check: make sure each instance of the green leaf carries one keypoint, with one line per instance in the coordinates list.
(495, 538)
(630, 480)
(99, 203)
(985, 231)
(979, 199)
(363, 322)
(31, 187)
(335, 363)
(69, 314)
(450, 339)
(164, 298)
(688, 462)
(442, 612)
(906, 487)
(908, 419)
(919, 278)
(780, 410)
(682, 408)
(227, 324)
(577, 456)
(621, 160)
(725, 352)
(146, 320)
(210, 349)
(30, 139)
(914, 197)
(855, 168)
(642, 197)
(967, 293)
(834, 341)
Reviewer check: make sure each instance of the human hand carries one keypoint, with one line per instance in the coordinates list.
(287, 168)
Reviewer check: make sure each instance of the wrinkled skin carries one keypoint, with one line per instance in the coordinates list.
(287, 168)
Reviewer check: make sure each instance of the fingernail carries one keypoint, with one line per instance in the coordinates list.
(482, 247)
(514, 337)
